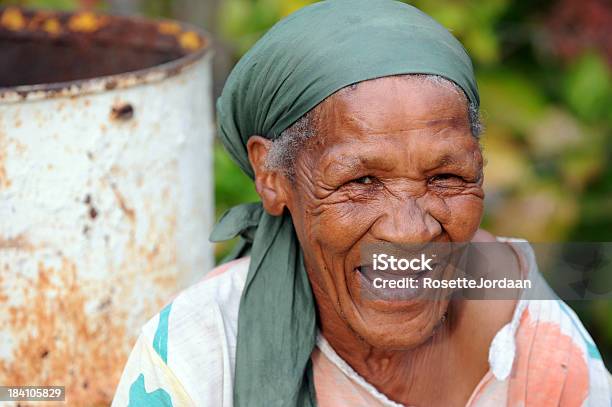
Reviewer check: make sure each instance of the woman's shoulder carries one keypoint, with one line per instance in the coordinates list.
(547, 342)
(191, 342)
(207, 309)
(558, 355)
(196, 306)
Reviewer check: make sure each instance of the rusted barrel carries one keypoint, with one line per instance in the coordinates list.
(105, 189)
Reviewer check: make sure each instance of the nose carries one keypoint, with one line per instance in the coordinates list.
(406, 221)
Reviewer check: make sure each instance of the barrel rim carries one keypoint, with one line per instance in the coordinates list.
(117, 81)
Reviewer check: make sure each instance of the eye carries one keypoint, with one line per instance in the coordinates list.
(446, 179)
(364, 180)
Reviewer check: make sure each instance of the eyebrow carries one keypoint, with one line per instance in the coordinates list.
(453, 121)
(447, 160)
(347, 163)
(451, 160)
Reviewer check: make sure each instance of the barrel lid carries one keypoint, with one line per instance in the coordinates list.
(48, 54)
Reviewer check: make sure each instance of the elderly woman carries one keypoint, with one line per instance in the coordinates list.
(358, 121)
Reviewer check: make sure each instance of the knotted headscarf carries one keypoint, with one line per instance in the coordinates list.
(299, 62)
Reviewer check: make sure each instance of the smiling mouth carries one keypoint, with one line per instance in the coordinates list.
(367, 271)
(372, 292)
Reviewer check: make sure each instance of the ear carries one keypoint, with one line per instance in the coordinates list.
(269, 183)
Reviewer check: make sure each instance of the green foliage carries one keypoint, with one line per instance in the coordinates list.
(232, 186)
(43, 4)
(244, 21)
(471, 20)
(588, 88)
(157, 8)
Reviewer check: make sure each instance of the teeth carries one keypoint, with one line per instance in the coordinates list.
(369, 271)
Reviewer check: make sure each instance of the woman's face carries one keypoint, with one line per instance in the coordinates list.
(394, 161)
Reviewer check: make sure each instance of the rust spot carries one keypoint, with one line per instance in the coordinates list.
(104, 304)
(18, 242)
(84, 352)
(122, 112)
(110, 85)
(12, 19)
(129, 212)
(4, 181)
(93, 212)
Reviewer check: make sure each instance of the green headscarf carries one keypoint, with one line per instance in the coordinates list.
(298, 63)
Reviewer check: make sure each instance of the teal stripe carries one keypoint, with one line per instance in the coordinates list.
(160, 341)
(591, 347)
(140, 398)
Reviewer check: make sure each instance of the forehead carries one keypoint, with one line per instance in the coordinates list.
(393, 104)
(395, 122)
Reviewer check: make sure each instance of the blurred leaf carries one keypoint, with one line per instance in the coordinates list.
(588, 88)
(511, 100)
(582, 164)
(555, 132)
(44, 4)
(289, 6)
(232, 186)
(506, 164)
(482, 44)
(548, 213)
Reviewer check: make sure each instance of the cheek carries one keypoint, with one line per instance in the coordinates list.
(337, 227)
(465, 216)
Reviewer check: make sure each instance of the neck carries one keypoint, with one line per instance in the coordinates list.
(442, 371)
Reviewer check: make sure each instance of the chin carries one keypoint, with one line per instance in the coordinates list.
(397, 329)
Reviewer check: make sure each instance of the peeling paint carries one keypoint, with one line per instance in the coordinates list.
(122, 112)
(129, 212)
(17, 243)
(61, 343)
(4, 181)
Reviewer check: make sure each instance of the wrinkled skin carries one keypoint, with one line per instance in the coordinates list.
(394, 161)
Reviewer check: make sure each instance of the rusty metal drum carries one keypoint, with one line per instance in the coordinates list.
(105, 189)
